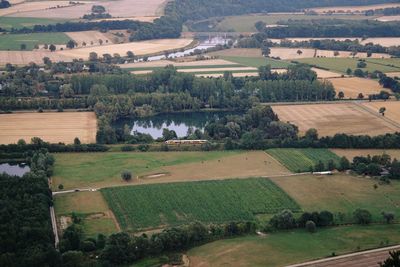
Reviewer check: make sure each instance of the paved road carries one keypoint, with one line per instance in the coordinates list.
(369, 258)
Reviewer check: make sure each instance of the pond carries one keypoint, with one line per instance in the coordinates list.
(179, 122)
(14, 169)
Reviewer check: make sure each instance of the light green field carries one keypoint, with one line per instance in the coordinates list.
(301, 160)
(14, 41)
(159, 205)
(11, 22)
(88, 170)
(391, 62)
(342, 64)
(342, 193)
(246, 23)
(188, 67)
(257, 62)
(284, 248)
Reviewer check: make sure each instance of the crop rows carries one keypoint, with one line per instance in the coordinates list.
(150, 206)
(301, 160)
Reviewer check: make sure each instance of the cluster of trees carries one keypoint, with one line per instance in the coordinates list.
(4, 4)
(26, 238)
(285, 220)
(333, 28)
(390, 83)
(124, 249)
(98, 12)
(388, 11)
(377, 165)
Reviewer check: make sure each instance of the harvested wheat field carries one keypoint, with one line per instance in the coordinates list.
(352, 9)
(120, 8)
(249, 164)
(138, 18)
(139, 48)
(20, 9)
(218, 69)
(392, 109)
(239, 74)
(292, 53)
(329, 119)
(393, 74)
(351, 153)
(352, 87)
(26, 57)
(324, 74)
(89, 37)
(346, 54)
(383, 41)
(52, 127)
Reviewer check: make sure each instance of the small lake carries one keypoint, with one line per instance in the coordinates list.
(179, 122)
(14, 169)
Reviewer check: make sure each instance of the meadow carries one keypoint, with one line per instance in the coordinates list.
(155, 206)
(257, 61)
(17, 23)
(302, 160)
(340, 193)
(273, 249)
(14, 41)
(342, 64)
(91, 208)
(93, 170)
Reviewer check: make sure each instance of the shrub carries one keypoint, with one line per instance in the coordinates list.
(283, 220)
(127, 148)
(388, 216)
(126, 176)
(60, 186)
(311, 227)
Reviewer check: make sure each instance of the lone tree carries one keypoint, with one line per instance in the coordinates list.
(362, 216)
(23, 46)
(77, 141)
(126, 176)
(393, 260)
(299, 52)
(71, 44)
(388, 216)
(341, 95)
(52, 48)
(382, 111)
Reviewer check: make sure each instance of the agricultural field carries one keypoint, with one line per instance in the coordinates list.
(351, 153)
(302, 160)
(352, 9)
(329, 119)
(306, 53)
(246, 23)
(325, 74)
(26, 57)
(257, 61)
(89, 37)
(22, 9)
(152, 65)
(139, 48)
(238, 52)
(92, 170)
(383, 41)
(17, 23)
(51, 127)
(14, 41)
(154, 206)
(392, 112)
(352, 87)
(122, 8)
(342, 193)
(342, 64)
(90, 207)
(273, 249)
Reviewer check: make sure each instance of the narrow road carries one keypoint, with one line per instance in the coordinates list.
(54, 225)
(359, 259)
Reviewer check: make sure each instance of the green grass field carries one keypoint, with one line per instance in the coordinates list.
(17, 23)
(246, 23)
(257, 61)
(301, 160)
(159, 205)
(274, 249)
(342, 64)
(14, 41)
(79, 170)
